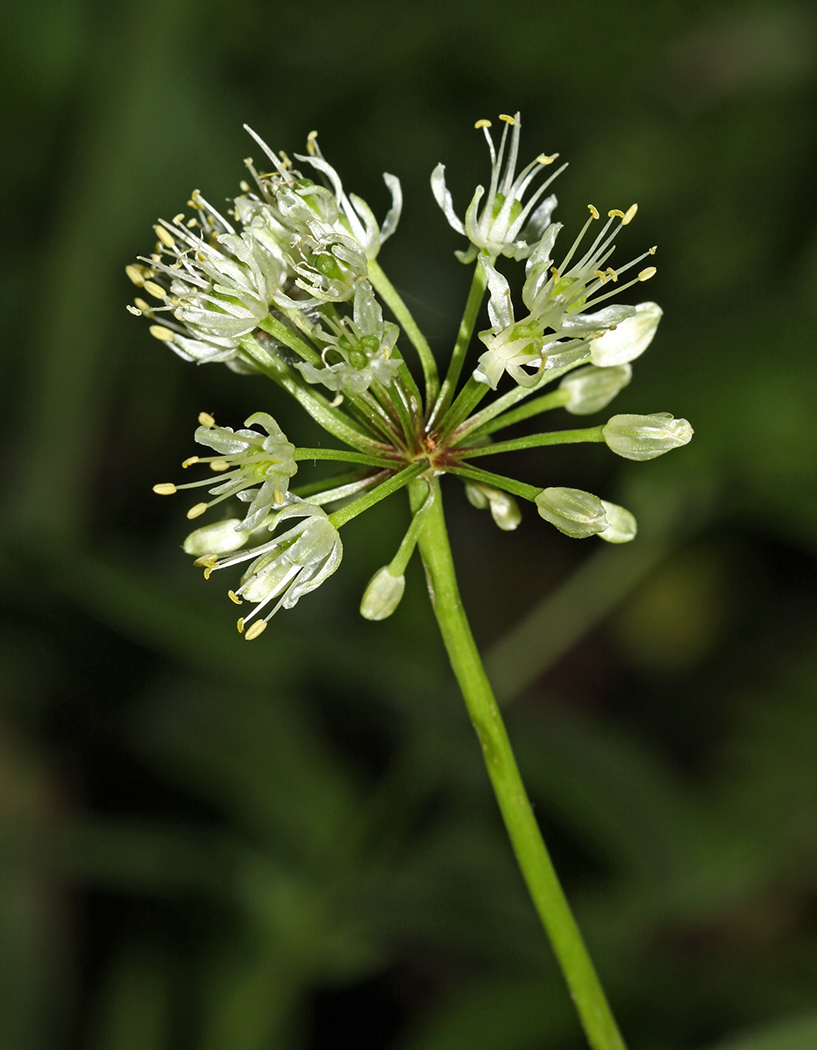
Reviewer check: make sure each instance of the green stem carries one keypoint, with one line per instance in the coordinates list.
(398, 481)
(531, 853)
(555, 399)
(386, 290)
(469, 319)
(497, 481)
(347, 457)
(553, 437)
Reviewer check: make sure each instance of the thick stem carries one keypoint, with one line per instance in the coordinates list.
(531, 853)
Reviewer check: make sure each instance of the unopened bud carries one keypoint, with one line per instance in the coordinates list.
(622, 527)
(592, 388)
(576, 513)
(382, 595)
(629, 339)
(504, 508)
(645, 437)
(219, 538)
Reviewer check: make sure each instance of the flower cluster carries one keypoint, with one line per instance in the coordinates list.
(286, 282)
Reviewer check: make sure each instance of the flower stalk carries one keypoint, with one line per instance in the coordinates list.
(526, 839)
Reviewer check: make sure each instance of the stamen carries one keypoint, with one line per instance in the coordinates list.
(601, 276)
(206, 561)
(612, 273)
(543, 158)
(234, 598)
(166, 488)
(189, 462)
(178, 218)
(508, 119)
(240, 625)
(136, 274)
(197, 510)
(257, 628)
(617, 212)
(311, 144)
(146, 308)
(154, 289)
(594, 211)
(161, 333)
(206, 420)
(645, 275)
(629, 214)
(219, 465)
(164, 236)
(482, 124)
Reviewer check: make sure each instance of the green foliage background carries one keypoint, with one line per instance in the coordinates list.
(206, 845)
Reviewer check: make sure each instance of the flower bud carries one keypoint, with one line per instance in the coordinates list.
(576, 513)
(622, 524)
(645, 437)
(219, 538)
(629, 339)
(504, 508)
(592, 388)
(382, 595)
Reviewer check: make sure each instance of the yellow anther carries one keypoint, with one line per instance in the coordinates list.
(189, 462)
(207, 561)
(240, 625)
(601, 276)
(612, 273)
(192, 223)
(244, 185)
(136, 274)
(195, 200)
(219, 465)
(154, 289)
(158, 331)
(234, 598)
(197, 510)
(652, 251)
(166, 488)
(208, 572)
(629, 214)
(257, 628)
(164, 236)
(555, 273)
(146, 308)
(178, 218)
(277, 496)
(615, 212)
(133, 310)
(543, 158)
(645, 275)
(508, 119)
(206, 420)
(311, 145)
(594, 211)
(482, 124)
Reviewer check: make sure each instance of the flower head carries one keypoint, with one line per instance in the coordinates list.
(503, 225)
(253, 467)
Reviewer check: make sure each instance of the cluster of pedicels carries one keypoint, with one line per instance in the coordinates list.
(285, 282)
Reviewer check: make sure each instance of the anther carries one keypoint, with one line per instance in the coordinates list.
(136, 274)
(543, 158)
(197, 510)
(615, 212)
(206, 561)
(629, 214)
(652, 251)
(311, 145)
(219, 465)
(645, 275)
(594, 211)
(601, 276)
(482, 124)
(178, 218)
(240, 625)
(612, 273)
(508, 119)
(161, 333)
(164, 236)
(206, 420)
(154, 289)
(234, 598)
(133, 310)
(140, 304)
(257, 628)
(190, 461)
(166, 488)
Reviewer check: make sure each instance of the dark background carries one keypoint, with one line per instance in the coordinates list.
(208, 845)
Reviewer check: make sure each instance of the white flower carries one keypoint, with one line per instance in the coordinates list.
(284, 568)
(359, 349)
(382, 595)
(628, 340)
(353, 215)
(504, 508)
(645, 437)
(622, 525)
(251, 466)
(503, 226)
